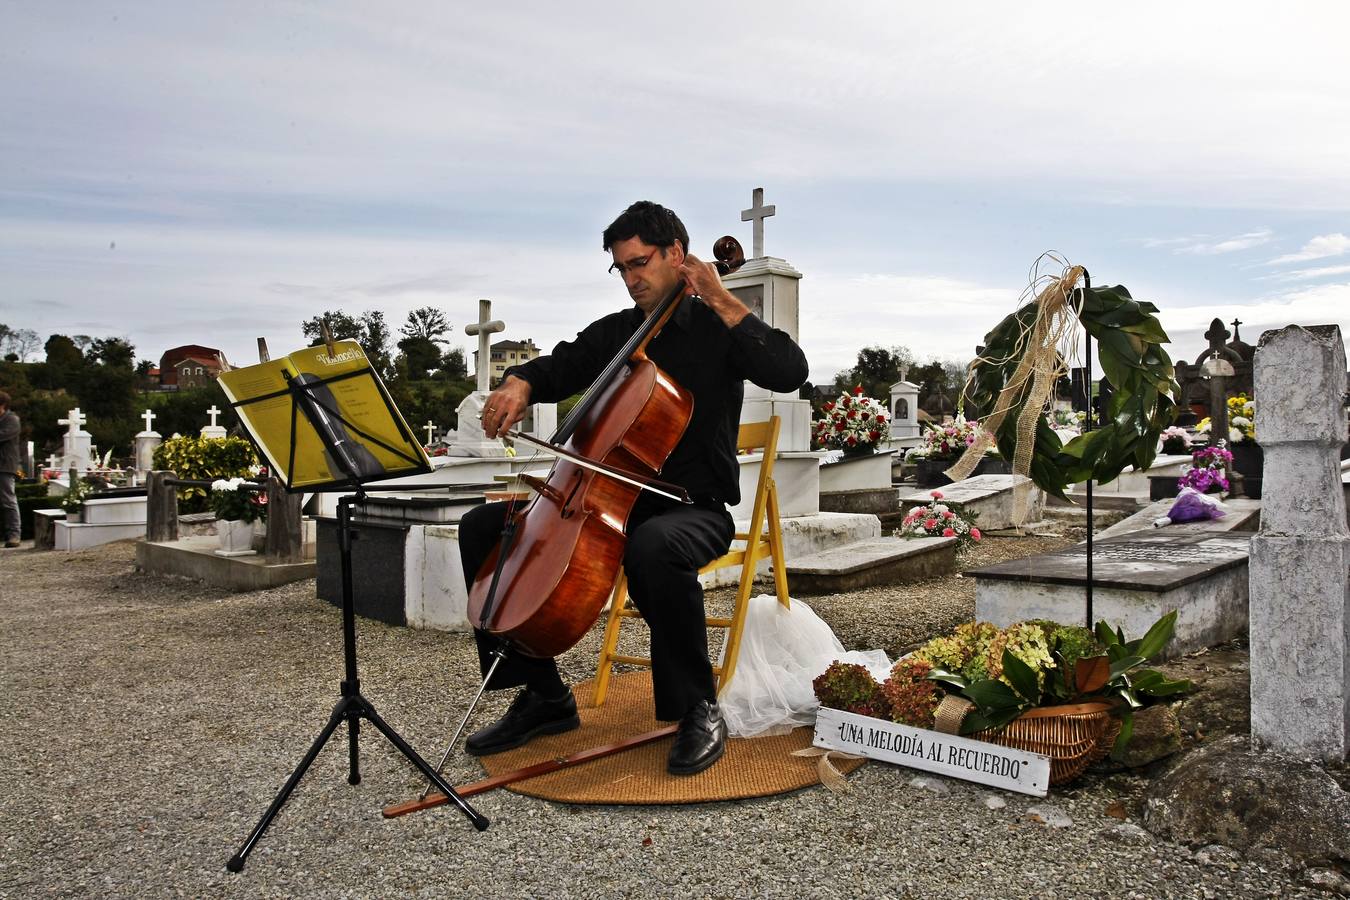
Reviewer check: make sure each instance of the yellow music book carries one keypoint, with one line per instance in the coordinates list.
(322, 418)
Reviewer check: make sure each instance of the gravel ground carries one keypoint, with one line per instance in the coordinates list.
(151, 721)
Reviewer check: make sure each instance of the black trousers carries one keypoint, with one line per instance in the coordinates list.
(667, 544)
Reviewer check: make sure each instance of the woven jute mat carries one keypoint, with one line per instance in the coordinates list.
(754, 767)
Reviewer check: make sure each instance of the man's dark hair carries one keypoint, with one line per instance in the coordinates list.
(651, 222)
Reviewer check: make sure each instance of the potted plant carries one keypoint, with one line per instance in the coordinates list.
(853, 423)
(1207, 473)
(236, 507)
(73, 501)
(1060, 690)
(942, 446)
(937, 519)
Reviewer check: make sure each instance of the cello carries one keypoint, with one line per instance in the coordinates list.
(545, 584)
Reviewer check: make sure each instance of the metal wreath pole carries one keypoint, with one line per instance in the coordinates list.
(1087, 428)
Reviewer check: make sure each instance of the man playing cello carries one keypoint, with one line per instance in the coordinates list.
(710, 346)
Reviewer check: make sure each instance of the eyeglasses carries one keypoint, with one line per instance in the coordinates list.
(633, 265)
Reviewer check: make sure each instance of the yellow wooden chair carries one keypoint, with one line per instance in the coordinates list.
(762, 537)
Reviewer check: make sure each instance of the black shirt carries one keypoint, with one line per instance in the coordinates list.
(706, 358)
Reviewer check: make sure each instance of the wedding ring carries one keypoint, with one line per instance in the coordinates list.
(492, 409)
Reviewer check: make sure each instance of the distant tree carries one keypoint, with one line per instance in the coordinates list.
(341, 327)
(876, 369)
(107, 391)
(116, 352)
(375, 341)
(421, 356)
(21, 342)
(370, 331)
(453, 364)
(426, 322)
(64, 361)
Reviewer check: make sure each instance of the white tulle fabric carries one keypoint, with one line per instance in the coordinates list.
(782, 651)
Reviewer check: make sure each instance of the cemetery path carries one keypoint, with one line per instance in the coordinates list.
(152, 720)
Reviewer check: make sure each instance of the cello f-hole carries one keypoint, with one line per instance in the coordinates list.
(567, 511)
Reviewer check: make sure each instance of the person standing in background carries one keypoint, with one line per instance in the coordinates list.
(9, 472)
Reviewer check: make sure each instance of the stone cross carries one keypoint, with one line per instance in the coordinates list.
(1299, 628)
(75, 419)
(53, 461)
(757, 213)
(212, 412)
(485, 327)
(431, 431)
(1217, 364)
(148, 417)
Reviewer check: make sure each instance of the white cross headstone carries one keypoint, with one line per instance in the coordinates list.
(485, 327)
(213, 430)
(431, 431)
(757, 213)
(75, 443)
(143, 448)
(74, 419)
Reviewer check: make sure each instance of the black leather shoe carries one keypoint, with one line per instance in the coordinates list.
(528, 715)
(700, 741)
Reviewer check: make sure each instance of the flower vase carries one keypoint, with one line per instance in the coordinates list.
(75, 516)
(236, 537)
(861, 451)
(1249, 461)
(259, 543)
(930, 472)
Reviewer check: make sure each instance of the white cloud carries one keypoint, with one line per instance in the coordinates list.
(1320, 247)
(1323, 304)
(1310, 274)
(1229, 245)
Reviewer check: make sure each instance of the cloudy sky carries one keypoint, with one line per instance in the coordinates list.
(185, 172)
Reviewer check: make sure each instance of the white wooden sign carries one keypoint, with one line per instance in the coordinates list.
(933, 751)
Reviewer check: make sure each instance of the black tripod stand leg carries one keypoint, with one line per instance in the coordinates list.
(236, 863)
(354, 746)
(479, 820)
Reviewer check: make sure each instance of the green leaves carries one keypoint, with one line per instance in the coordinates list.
(1128, 336)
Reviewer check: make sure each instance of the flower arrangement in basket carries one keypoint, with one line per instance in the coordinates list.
(852, 422)
(1060, 690)
(1208, 469)
(937, 519)
(231, 501)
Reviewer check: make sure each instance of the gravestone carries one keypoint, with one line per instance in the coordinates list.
(769, 287)
(1300, 586)
(1240, 514)
(1137, 578)
(470, 440)
(145, 444)
(905, 411)
(213, 430)
(76, 448)
(990, 497)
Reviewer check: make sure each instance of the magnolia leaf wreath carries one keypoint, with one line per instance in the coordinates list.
(1025, 355)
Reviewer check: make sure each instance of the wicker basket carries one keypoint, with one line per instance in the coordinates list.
(1074, 736)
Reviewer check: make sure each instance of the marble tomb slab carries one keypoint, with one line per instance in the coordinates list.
(1137, 577)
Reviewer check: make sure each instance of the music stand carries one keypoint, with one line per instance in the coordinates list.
(361, 441)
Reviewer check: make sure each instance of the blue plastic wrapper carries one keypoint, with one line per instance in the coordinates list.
(1193, 506)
